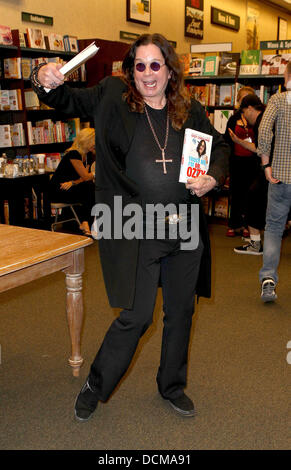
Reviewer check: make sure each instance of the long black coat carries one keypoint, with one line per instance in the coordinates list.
(115, 126)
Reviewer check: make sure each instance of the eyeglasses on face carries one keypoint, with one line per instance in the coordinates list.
(155, 66)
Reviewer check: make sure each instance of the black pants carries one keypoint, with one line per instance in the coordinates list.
(178, 271)
(83, 193)
(257, 202)
(243, 172)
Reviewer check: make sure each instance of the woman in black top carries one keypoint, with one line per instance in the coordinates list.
(72, 182)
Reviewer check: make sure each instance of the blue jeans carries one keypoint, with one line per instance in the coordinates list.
(279, 203)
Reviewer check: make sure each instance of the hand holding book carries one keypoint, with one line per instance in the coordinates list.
(53, 75)
(201, 185)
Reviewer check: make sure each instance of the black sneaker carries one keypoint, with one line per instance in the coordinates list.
(252, 248)
(268, 293)
(183, 405)
(86, 402)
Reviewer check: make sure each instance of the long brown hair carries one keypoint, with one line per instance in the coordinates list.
(178, 98)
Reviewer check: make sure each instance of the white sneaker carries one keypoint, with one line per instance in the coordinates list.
(268, 293)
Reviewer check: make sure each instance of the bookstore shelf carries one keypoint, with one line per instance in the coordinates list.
(19, 114)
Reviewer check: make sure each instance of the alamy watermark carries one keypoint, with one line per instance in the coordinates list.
(154, 221)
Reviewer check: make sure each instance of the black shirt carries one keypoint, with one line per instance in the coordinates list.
(141, 166)
(65, 170)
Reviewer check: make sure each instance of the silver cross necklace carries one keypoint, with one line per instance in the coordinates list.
(162, 149)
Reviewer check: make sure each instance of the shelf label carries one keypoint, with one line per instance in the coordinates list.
(33, 18)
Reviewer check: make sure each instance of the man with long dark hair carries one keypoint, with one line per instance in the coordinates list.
(139, 123)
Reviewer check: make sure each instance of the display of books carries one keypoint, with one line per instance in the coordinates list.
(56, 42)
(35, 38)
(5, 35)
(211, 65)
(250, 62)
(229, 63)
(71, 43)
(195, 155)
(221, 116)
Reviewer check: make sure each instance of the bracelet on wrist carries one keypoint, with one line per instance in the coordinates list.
(34, 76)
(267, 165)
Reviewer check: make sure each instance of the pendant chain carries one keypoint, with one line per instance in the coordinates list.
(162, 149)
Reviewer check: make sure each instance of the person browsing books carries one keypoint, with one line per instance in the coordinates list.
(72, 182)
(242, 161)
(140, 121)
(252, 108)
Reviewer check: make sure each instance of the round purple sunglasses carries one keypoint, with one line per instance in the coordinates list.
(155, 66)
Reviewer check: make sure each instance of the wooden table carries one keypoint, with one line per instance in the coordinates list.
(28, 254)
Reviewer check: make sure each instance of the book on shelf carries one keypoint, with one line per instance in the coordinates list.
(22, 41)
(211, 65)
(4, 100)
(5, 135)
(195, 66)
(74, 127)
(199, 94)
(221, 116)
(15, 100)
(17, 134)
(26, 67)
(226, 95)
(229, 63)
(185, 61)
(12, 67)
(117, 68)
(35, 38)
(195, 155)
(52, 160)
(31, 99)
(250, 62)
(56, 42)
(6, 35)
(71, 43)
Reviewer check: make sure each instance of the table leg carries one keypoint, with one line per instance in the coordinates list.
(75, 308)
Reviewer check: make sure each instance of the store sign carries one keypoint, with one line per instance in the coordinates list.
(223, 18)
(128, 36)
(33, 18)
(133, 36)
(275, 44)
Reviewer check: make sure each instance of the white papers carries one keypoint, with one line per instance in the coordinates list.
(78, 60)
(196, 154)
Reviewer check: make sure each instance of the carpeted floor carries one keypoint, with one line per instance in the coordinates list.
(239, 377)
